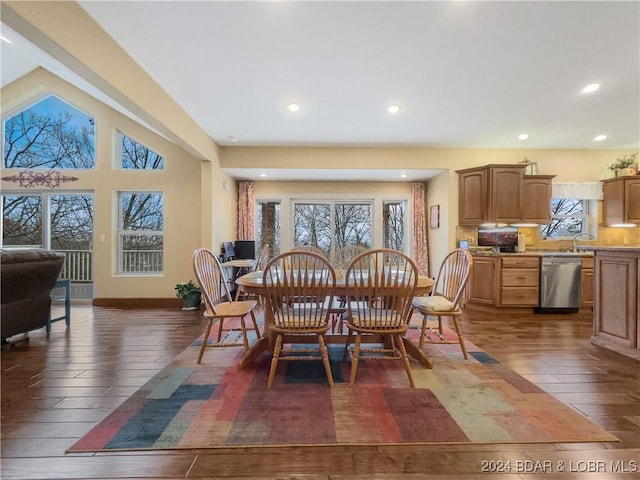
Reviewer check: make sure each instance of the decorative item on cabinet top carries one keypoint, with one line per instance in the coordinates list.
(531, 167)
(625, 165)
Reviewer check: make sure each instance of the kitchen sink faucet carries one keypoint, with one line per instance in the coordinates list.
(578, 235)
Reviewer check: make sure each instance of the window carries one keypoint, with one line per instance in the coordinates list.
(134, 155)
(140, 232)
(50, 134)
(268, 226)
(393, 225)
(332, 225)
(569, 216)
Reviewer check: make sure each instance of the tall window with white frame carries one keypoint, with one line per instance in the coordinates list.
(141, 232)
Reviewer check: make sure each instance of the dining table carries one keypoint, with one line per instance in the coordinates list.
(252, 283)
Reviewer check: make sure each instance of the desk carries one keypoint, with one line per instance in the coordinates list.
(238, 268)
(252, 284)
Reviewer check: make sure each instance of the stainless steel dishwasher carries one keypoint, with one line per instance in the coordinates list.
(560, 284)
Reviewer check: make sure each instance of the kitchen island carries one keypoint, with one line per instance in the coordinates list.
(616, 313)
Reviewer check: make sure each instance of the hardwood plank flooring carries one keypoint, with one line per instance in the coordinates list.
(55, 388)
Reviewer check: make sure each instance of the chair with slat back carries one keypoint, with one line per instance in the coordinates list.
(446, 298)
(218, 302)
(299, 290)
(261, 261)
(381, 285)
(309, 248)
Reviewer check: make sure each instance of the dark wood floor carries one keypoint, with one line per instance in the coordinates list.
(54, 389)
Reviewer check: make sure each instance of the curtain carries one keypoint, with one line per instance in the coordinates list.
(246, 211)
(421, 257)
(582, 190)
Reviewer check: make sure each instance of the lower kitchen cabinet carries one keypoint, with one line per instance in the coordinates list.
(587, 283)
(520, 281)
(617, 300)
(505, 281)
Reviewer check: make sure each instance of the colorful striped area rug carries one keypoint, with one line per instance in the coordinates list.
(216, 404)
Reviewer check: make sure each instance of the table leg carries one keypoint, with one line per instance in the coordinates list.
(414, 351)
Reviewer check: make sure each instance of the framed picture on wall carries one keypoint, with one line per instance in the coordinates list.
(434, 217)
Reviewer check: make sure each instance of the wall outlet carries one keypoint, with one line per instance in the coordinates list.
(471, 240)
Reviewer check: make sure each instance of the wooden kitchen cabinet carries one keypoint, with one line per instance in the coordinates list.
(483, 280)
(621, 200)
(537, 199)
(587, 283)
(505, 281)
(617, 299)
(520, 281)
(493, 193)
(503, 194)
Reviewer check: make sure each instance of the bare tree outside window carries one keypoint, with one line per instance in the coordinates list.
(141, 232)
(393, 225)
(568, 217)
(134, 155)
(22, 221)
(268, 226)
(312, 225)
(352, 225)
(51, 134)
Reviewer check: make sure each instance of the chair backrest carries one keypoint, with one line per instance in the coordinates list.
(453, 276)
(263, 258)
(211, 278)
(343, 256)
(299, 289)
(309, 248)
(381, 284)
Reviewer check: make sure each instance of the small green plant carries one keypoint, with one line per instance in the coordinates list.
(625, 161)
(187, 289)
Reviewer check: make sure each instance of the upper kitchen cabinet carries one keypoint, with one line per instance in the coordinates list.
(621, 201)
(537, 199)
(499, 194)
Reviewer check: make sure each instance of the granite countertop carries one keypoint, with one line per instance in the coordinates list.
(609, 248)
(532, 253)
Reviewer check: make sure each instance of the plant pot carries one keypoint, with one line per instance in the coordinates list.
(626, 172)
(191, 302)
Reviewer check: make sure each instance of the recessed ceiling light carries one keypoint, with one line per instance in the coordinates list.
(263, 174)
(233, 139)
(592, 87)
(293, 107)
(403, 175)
(393, 109)
(523, 136)
(599, 138)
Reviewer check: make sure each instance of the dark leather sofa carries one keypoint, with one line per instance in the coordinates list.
(27, 278)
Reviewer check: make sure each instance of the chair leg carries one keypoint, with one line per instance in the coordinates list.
(460, 339)
(355, 358)
(205, 337)
(423, 331)
(238, 291)
(220, 322)
(245, 340)
(405, 360)
(345, 354)
(274, 360)
(325, 359)
(255, 324)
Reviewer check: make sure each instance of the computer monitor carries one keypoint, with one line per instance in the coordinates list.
(245, 249)
(229, 252)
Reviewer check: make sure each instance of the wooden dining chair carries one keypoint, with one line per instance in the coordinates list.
(299, 290)
(218, 302)
(261, 262)
(309, 248)
(446, 299)
(381, 284)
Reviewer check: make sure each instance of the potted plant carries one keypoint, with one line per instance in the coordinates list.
(625, 165)
(190, 294)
